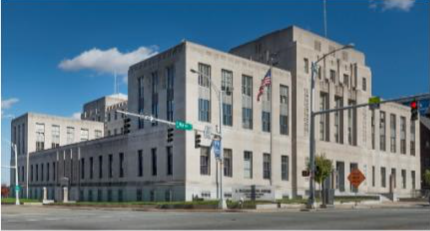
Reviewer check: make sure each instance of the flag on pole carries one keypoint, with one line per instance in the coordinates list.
(266, 81)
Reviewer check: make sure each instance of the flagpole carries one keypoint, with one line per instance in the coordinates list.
(271, 125)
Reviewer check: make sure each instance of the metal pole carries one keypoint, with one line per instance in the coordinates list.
(311, 200)
(223, 204)
(16, 175)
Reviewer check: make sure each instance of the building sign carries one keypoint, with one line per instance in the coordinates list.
(253, 192)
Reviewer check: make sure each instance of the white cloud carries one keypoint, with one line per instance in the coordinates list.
(402, 5)
(76, 115)
(107, 61)
(7, 103)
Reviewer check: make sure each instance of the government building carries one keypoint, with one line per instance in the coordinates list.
(265, 142)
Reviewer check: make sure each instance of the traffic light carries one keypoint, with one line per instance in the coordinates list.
(170, 134)
(126, 125)
(198, 140)
(414, 110)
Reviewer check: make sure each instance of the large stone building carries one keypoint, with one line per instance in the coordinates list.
(265, 142)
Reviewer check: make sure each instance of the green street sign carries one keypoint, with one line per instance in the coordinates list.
(374, 100)
(181, 125)
(17, 188)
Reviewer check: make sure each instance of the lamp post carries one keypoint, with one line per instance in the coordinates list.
(222, 202)
(311, 199)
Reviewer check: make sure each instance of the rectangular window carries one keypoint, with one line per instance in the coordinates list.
(413, 179)
(338, 120)
(393, 133)
(247, 98)
(169, 160)
(140, 162)
(42, 172)
(100, 167)
(265, 117)
(154, 161)
(383, 178)
(32, 173)
(382, 128)
(403, 135)
(55, 136)
(37, 172)
(333, 75)
(141, 100)
(364, 82)
(284, 109)
(373, 176)
(346, 80)
(306, 65)
(91, 167)
(47, 172)
(120, 195)
(204, 110)
(155, 86)
(324, 118)
(70, 135)
(285, 168)
(99, 195)
(121, 164)
(170, 76)
(228, 162)
(247, 164)
(82, 168)
(266, 166)
(139, 195)
(403, 178)
(204, 75)
(54, 172)
(84, 134)
(110, 166)
(352, 124)
(40, 136)
(394, 176)
(227, 89)
(205, 161)
(412, 138)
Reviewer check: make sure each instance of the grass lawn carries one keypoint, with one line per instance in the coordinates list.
(11, 200)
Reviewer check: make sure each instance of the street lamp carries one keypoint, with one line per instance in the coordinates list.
(16, 172)
(222, 203)
(311, 199)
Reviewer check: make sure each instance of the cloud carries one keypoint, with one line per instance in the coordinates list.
(402, 5)
(76, 115)
(107, 61)
(7, 103)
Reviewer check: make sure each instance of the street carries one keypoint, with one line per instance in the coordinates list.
(35, 217)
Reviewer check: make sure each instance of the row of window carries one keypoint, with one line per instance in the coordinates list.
(18, 137)
(248, 166)
(393, 133)
(204, 101)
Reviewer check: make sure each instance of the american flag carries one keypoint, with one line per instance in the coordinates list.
(266, 81)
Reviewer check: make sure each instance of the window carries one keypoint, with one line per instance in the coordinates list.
(228, 162)
(120, 195)
(42, 172)
(205, 71)
(227, 89)
(265, 117)
(47, 172)
(413, 179)
(139, 195)
(170, 76)
(412, 138)
(84, 134)
(98, 134)
(364, 82)
(247, 98)
(247, 164)
(109, 195)
(121, 164)
(90, 195)
(205, 161)
(346, 80)
(333, 75)
(70, 135)
(204, 110)
(169, 160)
(110, 166)
(100, 167)
(140, 162)
(382, 131)
(306, 65)
(394, 176)
(99, 195)
(55, 136)
(285, 168)
(284, 109)
(266, 166)
(37, 172)
(338, 121)
(383, 178)
(141, 101)
(404, 178)
(154, 161)
(345, 56)
(393, 133)
(82, 168)
(373, 176)
(317, 45)
(168, 195)
(324, 118)
(152, 195)
(40, 136)
(154, 107)
(352, 121)
(403, 135)
(91, 167)
(54, 173)
(31, 176)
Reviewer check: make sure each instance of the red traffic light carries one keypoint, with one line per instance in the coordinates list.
(414, 105)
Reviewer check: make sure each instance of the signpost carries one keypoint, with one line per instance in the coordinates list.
(17, 188)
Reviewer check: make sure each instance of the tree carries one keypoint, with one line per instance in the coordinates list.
(323, 169)
(426, 176)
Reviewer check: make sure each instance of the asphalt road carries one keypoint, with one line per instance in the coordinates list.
(27, 217)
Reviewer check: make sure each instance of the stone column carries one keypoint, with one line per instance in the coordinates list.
(45, 194)
(65, 195)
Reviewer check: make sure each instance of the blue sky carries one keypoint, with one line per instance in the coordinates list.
(37, 36)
